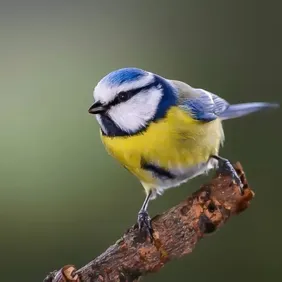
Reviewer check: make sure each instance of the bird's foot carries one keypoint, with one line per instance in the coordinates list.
(144, 223)
(224, 165)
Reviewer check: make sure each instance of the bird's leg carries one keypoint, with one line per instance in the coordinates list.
(225, 165)
(144, 220)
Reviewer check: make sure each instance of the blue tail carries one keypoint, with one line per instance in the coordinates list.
(239, 110)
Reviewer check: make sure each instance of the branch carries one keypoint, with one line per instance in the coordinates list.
(177, 231)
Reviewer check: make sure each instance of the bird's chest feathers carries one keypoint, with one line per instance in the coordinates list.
(174, 142)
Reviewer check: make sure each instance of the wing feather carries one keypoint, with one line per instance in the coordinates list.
(199, 103)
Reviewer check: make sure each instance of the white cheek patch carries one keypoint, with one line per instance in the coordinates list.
(134, 114)
(105, 92)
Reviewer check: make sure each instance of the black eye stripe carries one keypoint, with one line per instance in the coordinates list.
(129, 94)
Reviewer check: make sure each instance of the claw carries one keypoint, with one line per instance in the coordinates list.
(144, 223)
(225, 165)
(238, 181)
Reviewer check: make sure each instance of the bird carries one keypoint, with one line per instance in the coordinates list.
(163, 131)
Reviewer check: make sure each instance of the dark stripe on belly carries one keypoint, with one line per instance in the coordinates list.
(157, 171)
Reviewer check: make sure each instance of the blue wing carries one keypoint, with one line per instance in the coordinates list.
(205, 106)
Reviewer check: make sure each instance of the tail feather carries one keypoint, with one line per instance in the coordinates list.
(239, 110)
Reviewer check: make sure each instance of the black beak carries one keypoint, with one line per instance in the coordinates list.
(97, 108)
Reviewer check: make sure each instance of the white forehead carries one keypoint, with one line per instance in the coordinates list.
(106, 90)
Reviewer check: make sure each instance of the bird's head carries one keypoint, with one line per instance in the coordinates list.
(127, 100)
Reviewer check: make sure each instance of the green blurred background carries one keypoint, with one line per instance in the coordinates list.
(63, 199)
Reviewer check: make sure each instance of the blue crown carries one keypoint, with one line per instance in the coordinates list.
(120, 76)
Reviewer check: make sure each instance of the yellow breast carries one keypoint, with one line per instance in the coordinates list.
(175, 141)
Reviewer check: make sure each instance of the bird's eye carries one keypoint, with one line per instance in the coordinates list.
(123, 96)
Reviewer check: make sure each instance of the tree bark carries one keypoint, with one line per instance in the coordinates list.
(176, 232)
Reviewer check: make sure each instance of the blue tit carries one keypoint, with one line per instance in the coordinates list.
(163, 131)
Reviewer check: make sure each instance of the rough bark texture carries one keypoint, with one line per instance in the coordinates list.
(177, 231)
